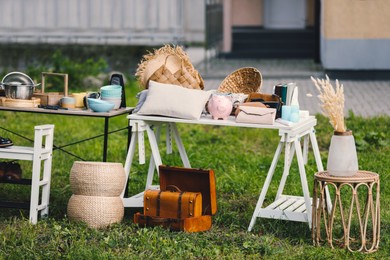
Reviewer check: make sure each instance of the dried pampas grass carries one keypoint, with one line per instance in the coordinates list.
(332, 102)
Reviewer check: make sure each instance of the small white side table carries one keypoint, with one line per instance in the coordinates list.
(40, 153)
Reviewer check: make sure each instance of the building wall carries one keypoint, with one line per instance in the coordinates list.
(247, 12)
(103, 22)
(355, 34)
(194, 21)
(250, 12)
(310, 12)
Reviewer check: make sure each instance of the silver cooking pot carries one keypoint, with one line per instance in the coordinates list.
(18, 85)
(17, 90)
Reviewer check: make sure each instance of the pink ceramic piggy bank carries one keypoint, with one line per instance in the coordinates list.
(220, 106)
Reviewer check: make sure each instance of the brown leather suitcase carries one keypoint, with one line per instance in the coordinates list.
(189, 180)
(194, 180)
(172, 203)
(194, 224)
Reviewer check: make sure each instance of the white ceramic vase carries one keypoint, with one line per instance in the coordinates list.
(342, 157)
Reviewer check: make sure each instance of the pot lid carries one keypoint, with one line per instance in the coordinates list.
(20, 77)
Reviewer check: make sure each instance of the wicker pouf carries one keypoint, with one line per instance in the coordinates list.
(96, 211)
(97, 179)
(96, 188)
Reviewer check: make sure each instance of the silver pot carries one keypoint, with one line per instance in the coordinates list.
(17, 90)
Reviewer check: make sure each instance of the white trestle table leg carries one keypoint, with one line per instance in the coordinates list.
(154, 147)
(266, 184)
(288, 157)
(35, 179)
(168, 139)
(180, 146)
(320, 167)
(130, 156)
(302, 173)
(305, 148)
(152, 165)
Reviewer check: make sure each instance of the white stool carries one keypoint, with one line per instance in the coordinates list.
(41, 152)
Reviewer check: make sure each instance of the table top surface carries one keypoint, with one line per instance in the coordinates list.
(207, 120)
(71, 111)
(360, 176)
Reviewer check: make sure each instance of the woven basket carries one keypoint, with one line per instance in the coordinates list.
(170, 65)
(245, 80)
(96, 212)
(97, 179)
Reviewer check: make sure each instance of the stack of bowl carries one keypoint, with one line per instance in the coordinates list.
(112, 94)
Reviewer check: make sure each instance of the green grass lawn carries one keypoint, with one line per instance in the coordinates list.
(240, 159)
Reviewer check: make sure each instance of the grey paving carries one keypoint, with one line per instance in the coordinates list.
(366, 98)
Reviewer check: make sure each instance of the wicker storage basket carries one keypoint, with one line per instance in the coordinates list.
(170, 65)
(245, 80)
(97, 179)
(95, 211)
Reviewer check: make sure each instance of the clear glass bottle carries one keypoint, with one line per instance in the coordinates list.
(342, 157)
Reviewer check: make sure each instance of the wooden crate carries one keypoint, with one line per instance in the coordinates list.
(52, 98)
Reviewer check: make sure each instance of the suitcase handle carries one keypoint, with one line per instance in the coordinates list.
(173, 188)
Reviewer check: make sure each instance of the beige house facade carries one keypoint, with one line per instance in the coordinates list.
(349, 34)
(340, 34)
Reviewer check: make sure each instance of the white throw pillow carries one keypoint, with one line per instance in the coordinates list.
(174, 101)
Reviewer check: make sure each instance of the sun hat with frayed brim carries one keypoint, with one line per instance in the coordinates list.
(169, 65)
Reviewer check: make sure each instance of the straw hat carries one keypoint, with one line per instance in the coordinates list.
(245, 80)
(169, 65)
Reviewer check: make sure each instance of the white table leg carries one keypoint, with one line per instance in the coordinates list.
(129, 158)
(266, 184)
(168, 139)
(305, 148)
(154, 147)
(152, 165)
(302, 173)
(320, 167)
(141, 144)
(34, 201)
(288, 156)
(180, 146)
(46, 180)
(316, 151)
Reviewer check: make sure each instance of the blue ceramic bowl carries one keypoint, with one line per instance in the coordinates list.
(111, 87)
(94, 100)
(111, 94)
(98, 105)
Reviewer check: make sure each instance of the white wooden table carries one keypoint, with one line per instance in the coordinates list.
(284, 207)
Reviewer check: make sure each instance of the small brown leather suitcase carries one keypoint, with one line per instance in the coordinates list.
(172, 203)
(189, 180)
(190, 225)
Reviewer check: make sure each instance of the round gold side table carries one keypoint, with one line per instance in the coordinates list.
(346, 210)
